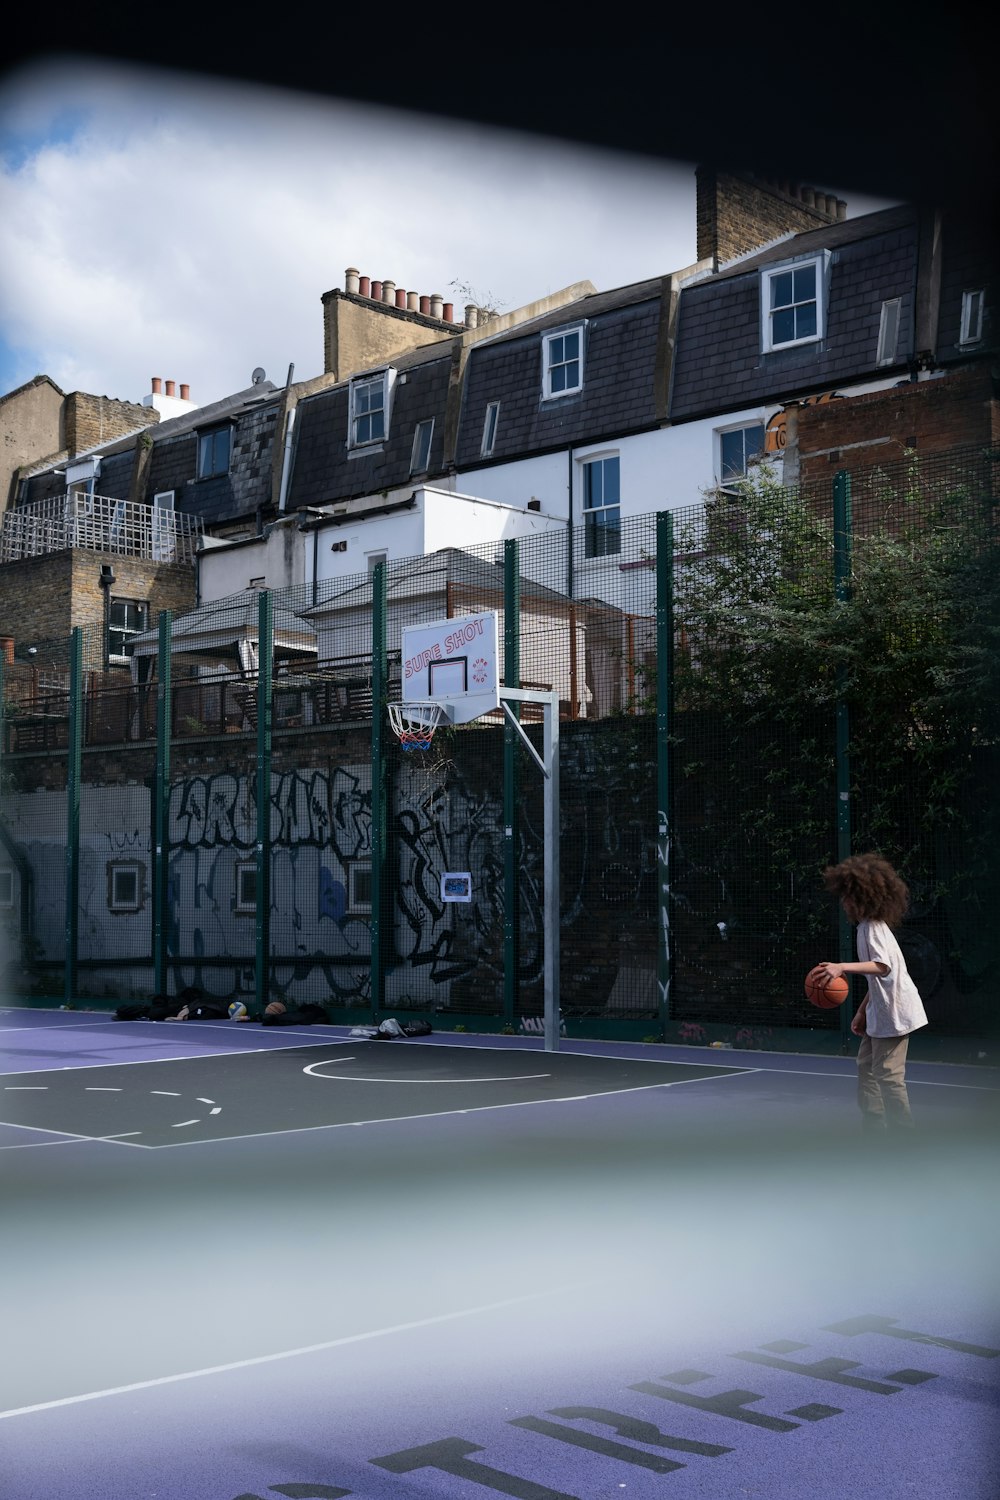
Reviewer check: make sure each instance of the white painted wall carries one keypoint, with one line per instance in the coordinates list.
(464, 521)
(281, 557)
(543, 478)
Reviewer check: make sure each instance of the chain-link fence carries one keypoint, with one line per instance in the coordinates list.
(745, 695)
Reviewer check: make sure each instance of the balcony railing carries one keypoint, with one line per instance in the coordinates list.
(99, 524)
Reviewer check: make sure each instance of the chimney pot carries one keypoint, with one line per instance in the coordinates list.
(351, 279)
(809, 197)
(389, 292)
(448, 312)
(364, 286)
(400, 297)
(413, 301)
(377, 291)
(185, 393)
(157, 385)
(170, 388)
(425, 306)
(471, 315)
(841, 210)
(437, 305)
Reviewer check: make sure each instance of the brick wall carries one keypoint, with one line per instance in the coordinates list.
(931, 416)
(90, 420)
(737, 214)
(43, 598)
(359, 334)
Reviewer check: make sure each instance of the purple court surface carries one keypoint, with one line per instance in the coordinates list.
(242, 1262)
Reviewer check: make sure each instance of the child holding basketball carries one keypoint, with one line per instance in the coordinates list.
(875, 898)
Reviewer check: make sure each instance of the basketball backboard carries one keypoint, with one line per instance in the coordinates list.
(454, 663)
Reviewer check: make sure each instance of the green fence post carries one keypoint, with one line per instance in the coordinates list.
(842, 590)
(664, 696)
(161, 802)
(380, 673)
(511, 830)
(74, 770)
(262, 924)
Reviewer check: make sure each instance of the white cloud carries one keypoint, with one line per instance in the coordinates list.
(152, 224)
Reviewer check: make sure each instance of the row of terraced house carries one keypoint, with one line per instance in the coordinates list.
(813, 339)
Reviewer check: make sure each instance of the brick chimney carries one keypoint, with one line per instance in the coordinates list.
(737, 213)
(373, 321)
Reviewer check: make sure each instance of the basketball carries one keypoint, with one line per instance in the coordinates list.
(237, 1011)
(825, 993)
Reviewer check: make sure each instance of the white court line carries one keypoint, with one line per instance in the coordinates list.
(358, 1078)
(69, 1026)
(33, 1145)
(70, 1135)
(142, 1062)
(266, 1359)
(435, 1114)
(927, 1083)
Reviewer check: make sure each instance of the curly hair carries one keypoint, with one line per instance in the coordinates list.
(872, 886)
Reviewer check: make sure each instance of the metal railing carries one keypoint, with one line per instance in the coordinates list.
(98, 523)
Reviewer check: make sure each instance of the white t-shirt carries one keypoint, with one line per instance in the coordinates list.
(894, 1004)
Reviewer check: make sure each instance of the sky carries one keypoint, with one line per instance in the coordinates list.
(159, 224)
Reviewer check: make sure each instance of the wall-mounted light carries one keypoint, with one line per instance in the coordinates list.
(107, 575)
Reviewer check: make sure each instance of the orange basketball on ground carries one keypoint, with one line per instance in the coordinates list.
(826, 994)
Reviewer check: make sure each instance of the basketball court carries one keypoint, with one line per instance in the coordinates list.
(245, 1261)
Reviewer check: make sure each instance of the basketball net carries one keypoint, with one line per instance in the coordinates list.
(414, 723)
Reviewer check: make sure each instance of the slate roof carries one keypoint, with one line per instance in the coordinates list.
(620, 335)
(325, 470)
(719, 365)
(253, 413)
(969, 263)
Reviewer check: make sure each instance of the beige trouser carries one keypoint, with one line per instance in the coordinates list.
(882, 1082)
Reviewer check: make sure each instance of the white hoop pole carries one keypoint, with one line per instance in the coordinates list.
(549, 765)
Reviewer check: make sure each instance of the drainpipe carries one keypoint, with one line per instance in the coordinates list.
(107, 584)
(286, 461)
(569, 523)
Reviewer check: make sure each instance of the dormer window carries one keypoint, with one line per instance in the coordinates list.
(369, 418)
(793, 304)
(420, 457)
(214, 448)
(972, 317)
(562, 363)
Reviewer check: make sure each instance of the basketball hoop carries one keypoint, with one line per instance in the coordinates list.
(415, 723)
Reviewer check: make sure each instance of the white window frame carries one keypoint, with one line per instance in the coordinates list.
(550, 362)
(210, 434)
(359, 383)
(241, 905)
(374, 558)
(890, 322)
(123, 659)
(6, 889)
(416, 467)
(358, 868)
(490, 423)
(973, 302)
(137, 870)
(821, 264)
(586, 465)
(725, 481)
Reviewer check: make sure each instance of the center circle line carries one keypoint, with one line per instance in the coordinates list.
(355, 1078)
